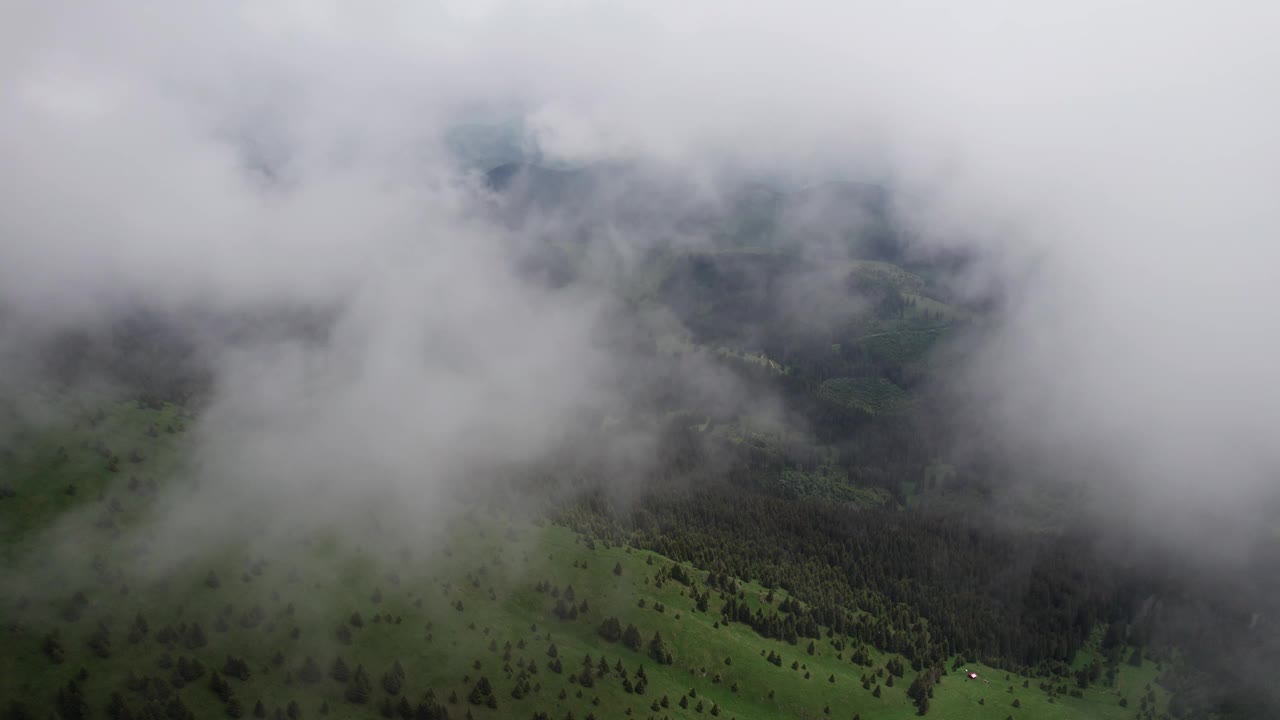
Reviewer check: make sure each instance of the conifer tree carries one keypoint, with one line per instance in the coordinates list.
(310, 671)
(339, 670)
(631, 637)
(359, 688)
(658, 649)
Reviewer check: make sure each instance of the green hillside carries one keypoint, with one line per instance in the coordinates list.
(463, 624)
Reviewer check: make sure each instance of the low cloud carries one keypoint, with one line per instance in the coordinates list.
(1115, 167)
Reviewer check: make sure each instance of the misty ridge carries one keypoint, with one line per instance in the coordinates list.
(1005, 271)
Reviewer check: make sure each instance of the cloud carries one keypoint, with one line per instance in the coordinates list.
(1116, 163)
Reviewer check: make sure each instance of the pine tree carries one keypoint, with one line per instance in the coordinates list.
(310, 671)
(359, 689)
(631, 637)
(194, 639)
(100, 641)
(479, 691)
(175, 709)
(220, 687)
(393, 679)
(52, 648)
(610, 629)
(236, 668)
(117, 708)
(658, 649)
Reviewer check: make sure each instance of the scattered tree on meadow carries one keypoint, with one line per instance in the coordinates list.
(220, 687)
(138, 630)
(359, 688)
(658, 649)
(189, 670)
(480, 691)
(310, 672)
(631, 637)
(117, 708)
(194, 637)
(393, 679)
(52, 648)
(236, 668)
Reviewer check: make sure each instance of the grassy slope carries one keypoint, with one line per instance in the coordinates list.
(43, 463)
(492, 570)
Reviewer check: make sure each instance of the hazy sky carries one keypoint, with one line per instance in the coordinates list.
(1120, 159)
